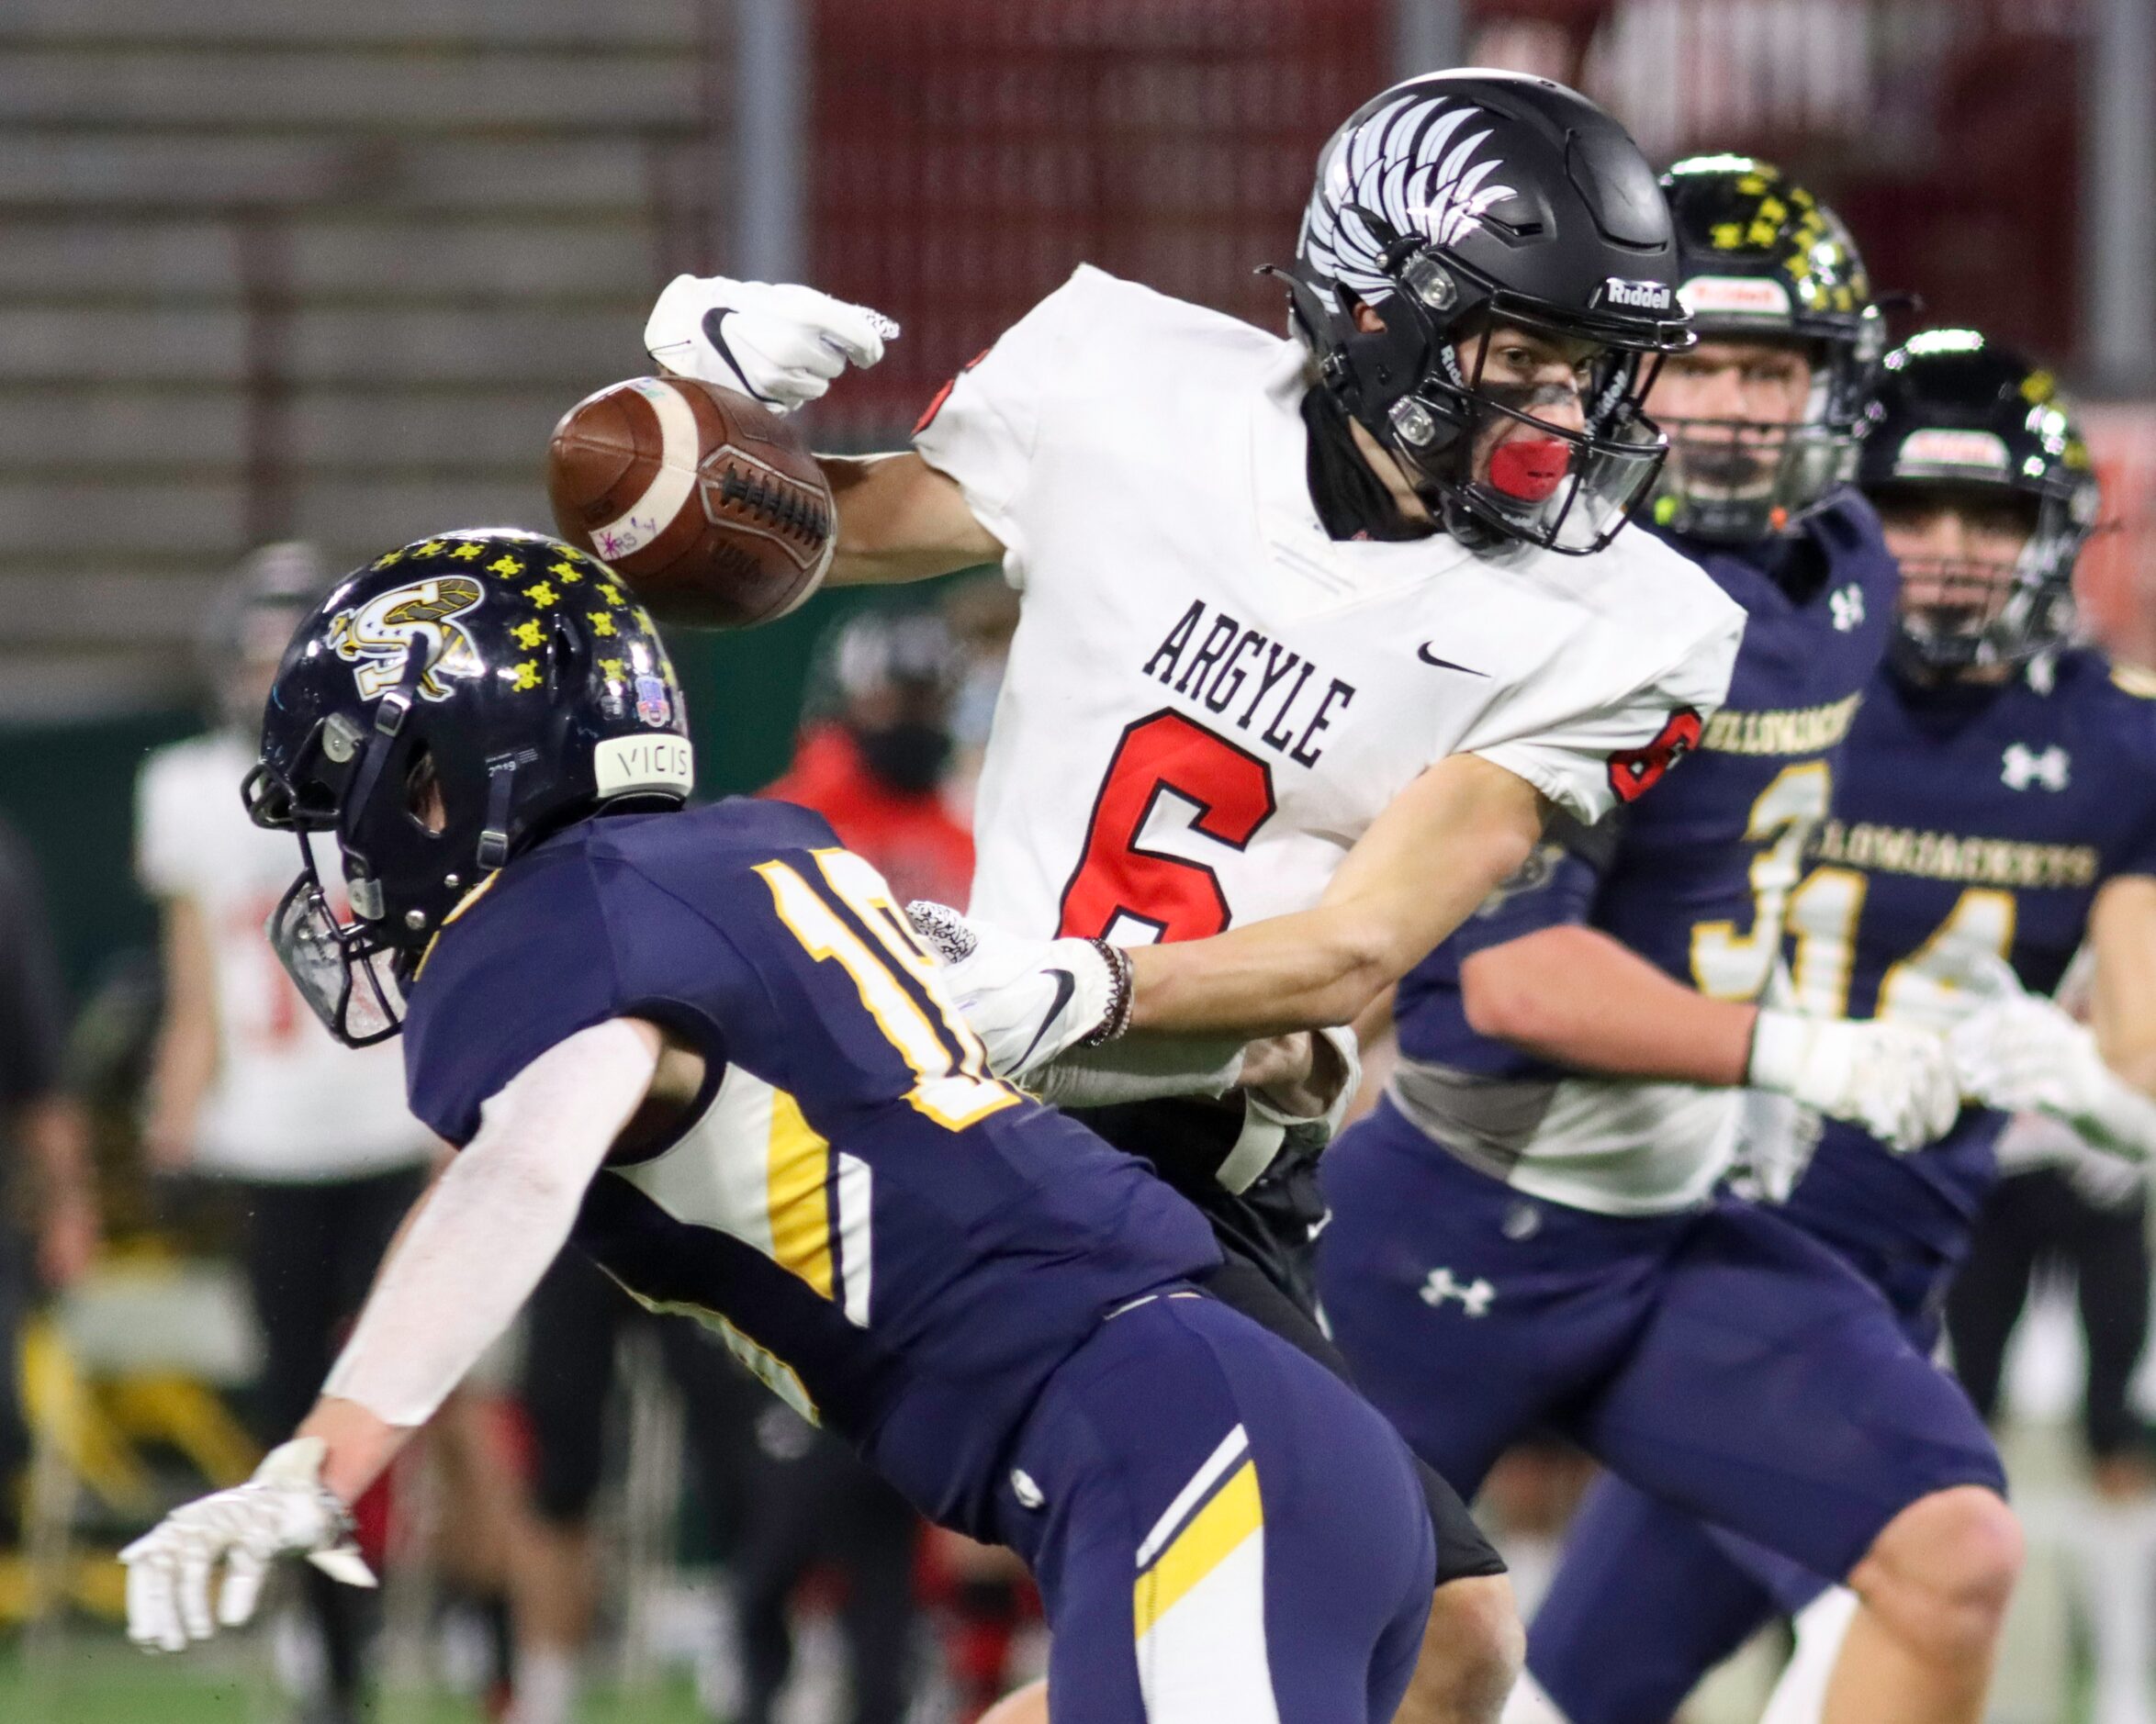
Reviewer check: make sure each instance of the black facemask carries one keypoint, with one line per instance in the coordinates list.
(908, 756)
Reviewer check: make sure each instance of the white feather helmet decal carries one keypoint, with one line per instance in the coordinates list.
(1415, 162)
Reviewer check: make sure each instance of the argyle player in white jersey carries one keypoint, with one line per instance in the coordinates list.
(1314, 634)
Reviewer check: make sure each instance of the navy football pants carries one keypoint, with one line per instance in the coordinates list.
(1720, 1361)
(1222, 1530)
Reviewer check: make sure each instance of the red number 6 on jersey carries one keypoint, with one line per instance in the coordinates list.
(1115, 880)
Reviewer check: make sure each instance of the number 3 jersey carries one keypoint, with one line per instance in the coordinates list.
(899, 1244)
(1694, 878)
(1970, 824)
(1208, 699)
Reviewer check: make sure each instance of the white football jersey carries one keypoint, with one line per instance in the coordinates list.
(1209, 699)
(290, 1101)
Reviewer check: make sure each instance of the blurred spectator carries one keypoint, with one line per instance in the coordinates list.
(573, 1327)
(43, 1133)
(246, 1086)
(2065, 1209)
(2064, 1206)
(875, 753)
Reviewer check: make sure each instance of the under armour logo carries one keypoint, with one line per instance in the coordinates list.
(2023, 767)
(1847, 604)
(1475, 1295)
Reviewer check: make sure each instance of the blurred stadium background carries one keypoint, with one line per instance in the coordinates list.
(272, 271)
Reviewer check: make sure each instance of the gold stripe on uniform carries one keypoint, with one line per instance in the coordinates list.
(798, 1197)
(1212, 1536)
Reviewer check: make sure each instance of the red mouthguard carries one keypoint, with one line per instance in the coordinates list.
(1530, 468)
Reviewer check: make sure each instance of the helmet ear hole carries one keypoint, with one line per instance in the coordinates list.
(422, 792)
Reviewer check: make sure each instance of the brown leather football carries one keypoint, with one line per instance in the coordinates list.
(712, 509)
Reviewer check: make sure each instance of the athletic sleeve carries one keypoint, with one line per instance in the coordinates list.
(1611, 753)
(525, 965)
(984, 429)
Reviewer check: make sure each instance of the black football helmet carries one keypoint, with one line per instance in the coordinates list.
(1462, 199)
(1762, 259)
(1958, 416)
(445, 707)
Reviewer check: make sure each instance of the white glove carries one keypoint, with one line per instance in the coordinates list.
(2025, 1054)
(781, 346)
(285, 1507)
(1028, 999)
(1897, 1082)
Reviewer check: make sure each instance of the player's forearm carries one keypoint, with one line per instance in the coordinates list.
(1319, 967)
(899, 519)
(361, 1444)
(1578, 998)
(1443, 846)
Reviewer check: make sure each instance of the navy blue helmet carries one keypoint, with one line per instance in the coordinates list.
(1958, 418)
(443, 707)
(1761, 260)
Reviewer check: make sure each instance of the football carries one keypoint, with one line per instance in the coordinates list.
(712, 509)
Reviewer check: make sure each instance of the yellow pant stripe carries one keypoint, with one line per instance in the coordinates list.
(798, 1197)
(1213, 1534)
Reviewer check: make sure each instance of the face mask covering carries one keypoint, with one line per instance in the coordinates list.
(908, 757)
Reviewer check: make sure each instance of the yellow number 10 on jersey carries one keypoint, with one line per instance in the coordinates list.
(952, 1091)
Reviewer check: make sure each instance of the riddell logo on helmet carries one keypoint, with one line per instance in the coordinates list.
(1646, 296)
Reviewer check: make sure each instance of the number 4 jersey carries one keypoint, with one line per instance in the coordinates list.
(1209, 699)
(1970, 825)
(898, 1244)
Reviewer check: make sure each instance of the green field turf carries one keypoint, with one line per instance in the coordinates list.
(101, 1682)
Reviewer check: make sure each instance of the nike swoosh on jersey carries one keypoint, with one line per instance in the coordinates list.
(1066, 985)
(1428, 657)
(715, 332)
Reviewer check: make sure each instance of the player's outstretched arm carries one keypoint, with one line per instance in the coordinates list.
(899, 520)
(1438, 850)
(1575, 996)
(467, 1259)
(1578, 998)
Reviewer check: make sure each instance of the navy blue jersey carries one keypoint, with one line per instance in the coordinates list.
(1967, 822)
(1694, 876)
(896, 1242)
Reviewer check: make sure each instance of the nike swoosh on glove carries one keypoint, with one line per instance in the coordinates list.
(284, 1509)
(1897, 1082)
(778, 345)
(1028, 999)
